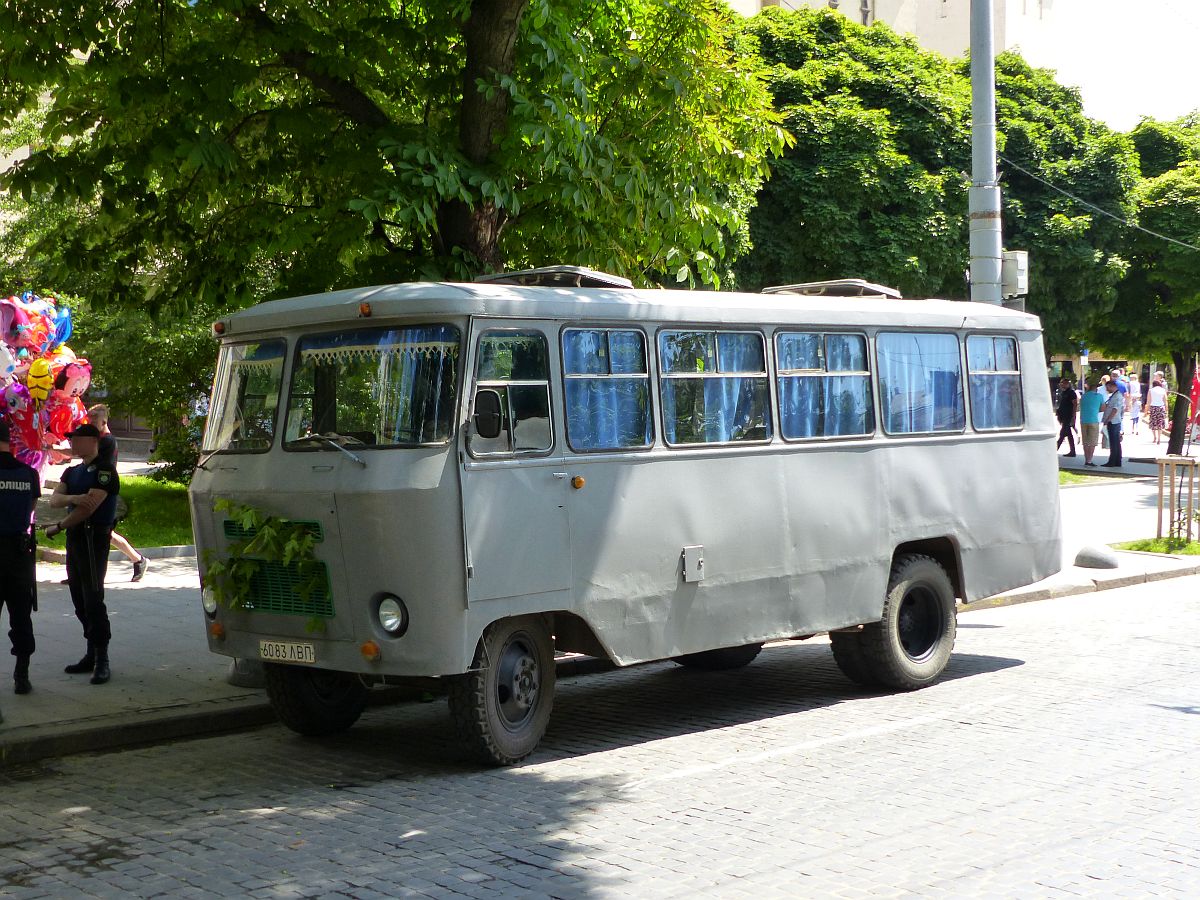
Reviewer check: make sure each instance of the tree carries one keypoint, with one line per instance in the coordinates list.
(1059, 168)
(1159, 308)
(1162, 146)
(227, 151)
(876, 185)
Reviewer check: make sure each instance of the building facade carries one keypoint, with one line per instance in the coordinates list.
(941, 25)
(1129, 58)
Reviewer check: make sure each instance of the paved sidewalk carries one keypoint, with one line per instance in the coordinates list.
(166, 684)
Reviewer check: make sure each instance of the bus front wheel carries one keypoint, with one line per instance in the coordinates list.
(911, 645)
(502, 706)
(314, 701)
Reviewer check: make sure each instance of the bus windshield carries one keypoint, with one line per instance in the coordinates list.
(246, 397)
(377, 387)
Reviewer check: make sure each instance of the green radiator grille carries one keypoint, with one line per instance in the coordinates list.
(236, 532)
(275, 587)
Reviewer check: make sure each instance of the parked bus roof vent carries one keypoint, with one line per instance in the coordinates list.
(558, 276)
(839, 287)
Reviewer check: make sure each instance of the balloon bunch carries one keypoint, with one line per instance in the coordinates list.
(41, 381)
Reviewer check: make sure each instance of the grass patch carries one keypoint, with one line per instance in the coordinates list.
(1065, 477)
(1177, 546)
(158, 514)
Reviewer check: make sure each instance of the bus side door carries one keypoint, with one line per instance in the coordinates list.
(514, 484)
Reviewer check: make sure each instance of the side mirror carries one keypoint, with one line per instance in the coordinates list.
(488, 417)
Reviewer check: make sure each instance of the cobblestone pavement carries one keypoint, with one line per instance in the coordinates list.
(1058, 758)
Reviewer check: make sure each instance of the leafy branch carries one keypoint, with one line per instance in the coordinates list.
(264, 538)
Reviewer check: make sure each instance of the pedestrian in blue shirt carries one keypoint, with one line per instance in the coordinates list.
(89, 493)
(1089, 419)
(20, 487)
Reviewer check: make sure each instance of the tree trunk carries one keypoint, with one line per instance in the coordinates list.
(491, 39)
(1185, 365)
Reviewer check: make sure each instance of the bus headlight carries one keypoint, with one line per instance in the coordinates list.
(392, 614)
(209, 599)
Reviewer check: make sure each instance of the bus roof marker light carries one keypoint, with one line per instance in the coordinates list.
(218, 328)
(364, 310)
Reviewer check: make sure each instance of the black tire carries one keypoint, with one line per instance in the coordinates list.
(911, 645)
(721, 658)
(314, 702)
(848, 654)
(501, 708)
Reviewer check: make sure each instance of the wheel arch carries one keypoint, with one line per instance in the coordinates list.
(945, 551)
(570, 632)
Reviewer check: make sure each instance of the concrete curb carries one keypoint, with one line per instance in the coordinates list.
(54, 555)
(132, 729)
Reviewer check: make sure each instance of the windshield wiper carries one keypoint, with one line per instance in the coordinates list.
(335, 440)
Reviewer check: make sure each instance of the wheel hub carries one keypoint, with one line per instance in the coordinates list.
(918, 624)
(518, 683)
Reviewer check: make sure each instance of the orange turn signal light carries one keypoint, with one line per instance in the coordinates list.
(217, 630)
(218, 327)
(578, 481)
(370, 651)
(364, 310)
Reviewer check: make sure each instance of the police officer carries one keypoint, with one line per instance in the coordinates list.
(20, 488)
(89, 493)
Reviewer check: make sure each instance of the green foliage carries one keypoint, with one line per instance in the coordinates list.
(1159, 309)
(268, 539)
(1163, 146)
(876, 185)
(1077, 257)
(222, 152)
(154, 366)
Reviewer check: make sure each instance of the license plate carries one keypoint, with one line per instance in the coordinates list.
(287, 651)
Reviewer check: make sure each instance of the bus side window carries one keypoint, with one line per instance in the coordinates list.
(824, 385)
(606, 389)
(513, 366)
(714, 387)
(920, 382)
(995, 382)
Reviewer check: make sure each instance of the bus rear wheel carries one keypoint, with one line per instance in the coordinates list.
(911, 645)
(721, 658)
(314, 701)
(502, 706)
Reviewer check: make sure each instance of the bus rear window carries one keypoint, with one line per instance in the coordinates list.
(245, 398)
(377, 387)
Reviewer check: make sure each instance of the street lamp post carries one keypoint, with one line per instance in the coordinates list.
(984, 195)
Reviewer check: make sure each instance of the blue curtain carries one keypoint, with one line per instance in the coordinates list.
(995, 382)
(920, 383)
(606, 411)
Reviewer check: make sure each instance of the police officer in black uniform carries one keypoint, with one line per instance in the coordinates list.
(20, 487)
(89, 493)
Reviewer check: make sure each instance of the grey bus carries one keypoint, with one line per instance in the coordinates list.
(492, 472)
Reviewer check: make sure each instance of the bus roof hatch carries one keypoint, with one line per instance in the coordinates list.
(839, 287)
(558, 276)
